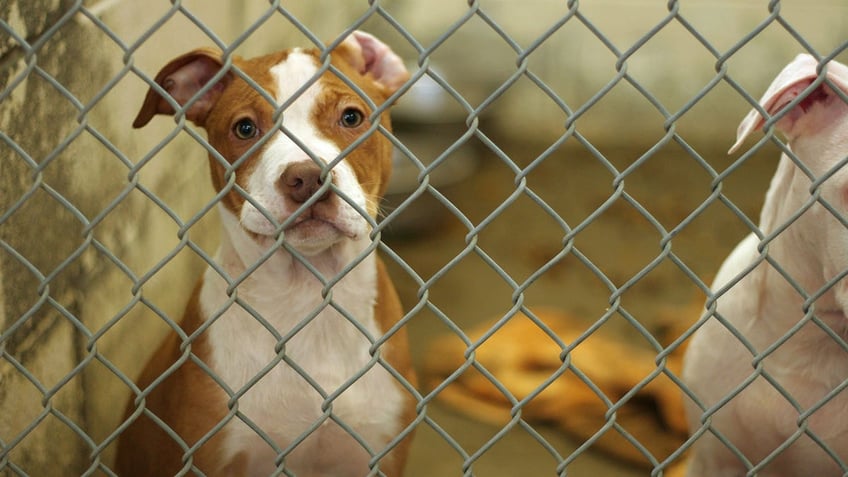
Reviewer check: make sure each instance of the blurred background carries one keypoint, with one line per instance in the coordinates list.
(567, 149)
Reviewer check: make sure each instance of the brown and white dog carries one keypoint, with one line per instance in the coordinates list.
(276, 368)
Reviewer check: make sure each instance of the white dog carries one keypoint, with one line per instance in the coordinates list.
(768, 368)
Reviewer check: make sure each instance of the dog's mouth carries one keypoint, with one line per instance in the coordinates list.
(309, 231)
(315, 227)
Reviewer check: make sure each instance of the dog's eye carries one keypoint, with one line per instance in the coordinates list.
(351, 118)
(245, 129)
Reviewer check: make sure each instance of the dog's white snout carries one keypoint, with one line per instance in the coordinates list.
(302, 180)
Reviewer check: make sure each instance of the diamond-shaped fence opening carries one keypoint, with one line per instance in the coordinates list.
(560, 204)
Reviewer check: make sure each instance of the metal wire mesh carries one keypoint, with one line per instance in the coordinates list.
(57, 285)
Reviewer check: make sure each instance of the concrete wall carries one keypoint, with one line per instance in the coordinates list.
(44, 233)
(97, 310)
(673, 66)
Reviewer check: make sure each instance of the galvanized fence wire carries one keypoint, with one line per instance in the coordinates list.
(28, 52)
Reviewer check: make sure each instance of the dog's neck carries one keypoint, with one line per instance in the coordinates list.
(811, 248)
(282, 289)
(324, 326)
(807, 250)
(782, 204)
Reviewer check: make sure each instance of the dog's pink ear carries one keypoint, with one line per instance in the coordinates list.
(789, 84)
(182, 78)
(372, 57)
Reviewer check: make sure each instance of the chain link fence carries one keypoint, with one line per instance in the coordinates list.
(557, 154)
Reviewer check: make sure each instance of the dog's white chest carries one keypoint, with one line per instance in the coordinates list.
(312, 388)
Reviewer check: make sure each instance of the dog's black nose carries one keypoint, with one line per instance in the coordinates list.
(301, 180)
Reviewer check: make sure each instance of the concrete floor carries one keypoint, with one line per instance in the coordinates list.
(521, 239)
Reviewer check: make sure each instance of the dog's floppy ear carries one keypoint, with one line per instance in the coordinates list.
(789, 84)
(182, 78)
(371, 57)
